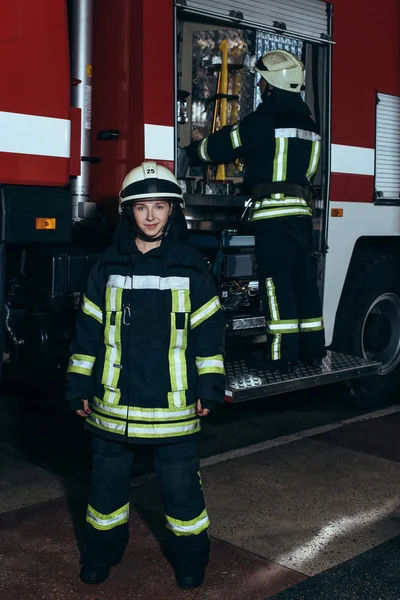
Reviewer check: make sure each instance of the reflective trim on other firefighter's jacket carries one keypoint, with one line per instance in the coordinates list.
(302, 134)
(280, 160)
(314, 159)
(204, 312)
(276, 202)
(137, 413)
(235, 137)
(281, 212)
(148, 282)
(106, 522)
(155, 430)
(177, 358)
(312, 324)
(193, 527)
(275, 317)
(287, 326)
(202, 150)
(92, 310)
(210, 364)
(81, 363)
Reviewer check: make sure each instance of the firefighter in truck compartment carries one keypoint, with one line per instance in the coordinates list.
(147, 363)
(280, 146)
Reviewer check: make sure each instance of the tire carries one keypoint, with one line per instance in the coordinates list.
(368, 325)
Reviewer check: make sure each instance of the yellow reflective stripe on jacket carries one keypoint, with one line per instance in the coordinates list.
(112, 337)
(81, 363)
(288, 326)
(273, 213)
(312, 324)
(192, 527)
(210, 364)
(314, 159)
(111, 395)
(148, 431)
(235, 137)
(180, 301)
(113, 299)
(106, 522)
(177, 355)
(202, 150)
(137, 413)
(91, 309)
(205, 312)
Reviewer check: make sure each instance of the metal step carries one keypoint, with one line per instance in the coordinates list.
(247, 383)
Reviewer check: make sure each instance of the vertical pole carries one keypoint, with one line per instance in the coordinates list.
(81, 69)
(223, 47)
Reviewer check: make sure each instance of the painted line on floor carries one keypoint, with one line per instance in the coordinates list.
(279, 441)
(295, 437)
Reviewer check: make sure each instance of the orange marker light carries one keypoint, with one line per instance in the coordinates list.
(336, 212)
(45, 223)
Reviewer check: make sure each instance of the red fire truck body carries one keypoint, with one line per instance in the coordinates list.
(121, 64)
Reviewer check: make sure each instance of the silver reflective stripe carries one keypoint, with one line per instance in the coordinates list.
(314, 159)
(302, 134)
(193, 527)
(106, 424)
(204, 363)
(203, 150)
(91, 309)
(280, 327)
(206, 311)
(162, 430)
(148, 282)
(272, 212)
(278, 203)
(311, 324)
(235, 137)
(146, 414)
(105, 522)
(84, 364)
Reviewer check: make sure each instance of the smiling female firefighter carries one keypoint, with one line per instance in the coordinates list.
(146, 363)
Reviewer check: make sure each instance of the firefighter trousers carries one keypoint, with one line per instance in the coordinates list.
(177, 470)
(288, 289)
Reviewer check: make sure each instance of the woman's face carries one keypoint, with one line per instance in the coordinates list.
(151, 216)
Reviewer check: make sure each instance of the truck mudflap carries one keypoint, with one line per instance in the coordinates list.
(247, 383)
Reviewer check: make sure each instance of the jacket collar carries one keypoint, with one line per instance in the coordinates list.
(127, 245)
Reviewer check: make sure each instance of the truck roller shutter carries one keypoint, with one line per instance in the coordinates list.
(303, 18)
(387, 169)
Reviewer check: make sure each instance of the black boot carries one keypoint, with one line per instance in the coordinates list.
(94, 572)
(312, 361)
(190, 579)
(285, 367)
(261, 362)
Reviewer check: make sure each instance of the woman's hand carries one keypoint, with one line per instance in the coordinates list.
(200, 411)
(85, 410)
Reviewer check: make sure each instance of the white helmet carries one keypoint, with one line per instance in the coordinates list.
(282, 70)
(147, 182)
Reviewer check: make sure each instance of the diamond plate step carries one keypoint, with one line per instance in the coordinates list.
(247, 383)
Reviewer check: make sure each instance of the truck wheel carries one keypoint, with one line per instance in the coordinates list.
(368, 324)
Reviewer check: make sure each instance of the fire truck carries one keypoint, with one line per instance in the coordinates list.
(92, 88)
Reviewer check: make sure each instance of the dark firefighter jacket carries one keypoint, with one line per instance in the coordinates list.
(149, 343)
(278, 142)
